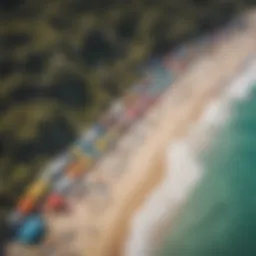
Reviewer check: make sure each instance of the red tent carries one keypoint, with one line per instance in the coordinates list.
(55, 202)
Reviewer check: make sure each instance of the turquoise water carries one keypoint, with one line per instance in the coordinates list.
(220, 216)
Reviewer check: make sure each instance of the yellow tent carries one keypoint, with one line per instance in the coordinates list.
(38, 189)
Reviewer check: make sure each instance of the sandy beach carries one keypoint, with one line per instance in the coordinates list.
(183, 168)
(216, 70)
(99, 222)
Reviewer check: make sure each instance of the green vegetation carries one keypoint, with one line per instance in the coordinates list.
(62, 62)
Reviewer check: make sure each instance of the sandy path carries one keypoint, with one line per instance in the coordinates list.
(101, 221)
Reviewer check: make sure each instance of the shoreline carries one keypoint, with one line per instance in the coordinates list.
(191, 146)
(160, 226)
(246, 80)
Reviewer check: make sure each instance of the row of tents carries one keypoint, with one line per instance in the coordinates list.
(49, 190)
(61, 175)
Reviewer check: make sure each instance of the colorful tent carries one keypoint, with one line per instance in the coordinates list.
(26, 205)
(55, 202)
(38, 189)
(80, 155)
(76, 169)
(32, 230)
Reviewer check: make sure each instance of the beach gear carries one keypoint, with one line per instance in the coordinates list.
(55, 202)
(32, 230)
(26, 205)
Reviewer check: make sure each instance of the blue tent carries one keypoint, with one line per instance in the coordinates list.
(32, 230)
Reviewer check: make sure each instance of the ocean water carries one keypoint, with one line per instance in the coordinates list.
(219, 218)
